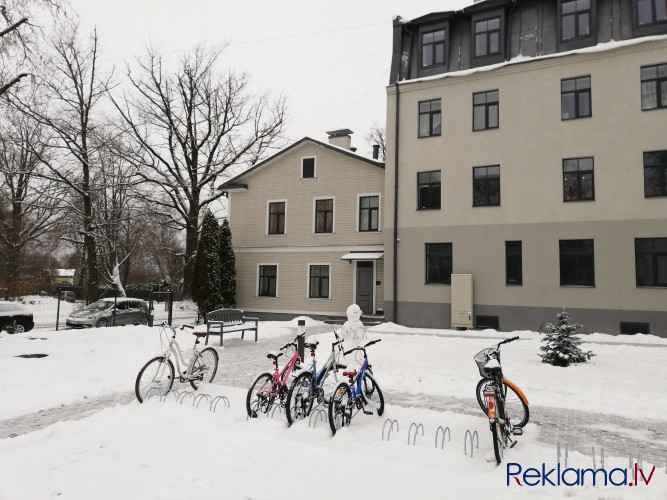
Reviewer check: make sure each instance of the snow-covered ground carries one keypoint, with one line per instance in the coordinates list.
(164, 450)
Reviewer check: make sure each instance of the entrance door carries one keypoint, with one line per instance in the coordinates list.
(365, 286)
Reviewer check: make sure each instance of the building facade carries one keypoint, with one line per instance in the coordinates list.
(527, 148)
(307, 231)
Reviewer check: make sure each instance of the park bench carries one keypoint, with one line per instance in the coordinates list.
(223, 321)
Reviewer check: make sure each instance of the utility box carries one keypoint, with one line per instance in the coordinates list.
(462, 302)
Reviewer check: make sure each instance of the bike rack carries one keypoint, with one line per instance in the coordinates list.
(276, 407)
(416, 427)
(558, 453)
(185, 395)
(174, 393)
(152, 392)
(214, 404)
(445, 432)
(472, 435)
(601, 457)
(392, 421)
(632, 460)
(317, 414)
(199, 398)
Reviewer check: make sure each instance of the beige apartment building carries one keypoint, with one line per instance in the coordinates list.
(307, 229)
(527, 167)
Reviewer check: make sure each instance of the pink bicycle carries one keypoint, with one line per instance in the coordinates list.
(269, 388)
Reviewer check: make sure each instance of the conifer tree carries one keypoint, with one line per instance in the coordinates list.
(227, 266)
(560, 345)
(206, 283)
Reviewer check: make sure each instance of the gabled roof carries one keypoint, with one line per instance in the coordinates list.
(234, 181)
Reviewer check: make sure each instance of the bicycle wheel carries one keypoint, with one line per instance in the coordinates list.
(154, 379)
(514, 405)
(259, 399)
(497, 432)
(372, 394)
(339, 412)
(300, 398)
(204, 365)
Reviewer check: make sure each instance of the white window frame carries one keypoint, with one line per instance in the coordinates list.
(314, 158)
(257, 295)
(366, 195)
(268, 217)
(333, 223)
(308, 265)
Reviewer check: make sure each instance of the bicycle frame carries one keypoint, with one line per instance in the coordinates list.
(174, 348)
(280, 378)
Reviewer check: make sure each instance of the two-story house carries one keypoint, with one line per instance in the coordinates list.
(307, 231)
(527, 148)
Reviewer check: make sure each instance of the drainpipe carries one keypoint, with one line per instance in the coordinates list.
(396, 139)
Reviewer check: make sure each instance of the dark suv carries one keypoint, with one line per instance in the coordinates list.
(14, 313)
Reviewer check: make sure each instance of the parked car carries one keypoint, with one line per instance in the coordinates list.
(102, 313)
(14, 313)
(68, 295)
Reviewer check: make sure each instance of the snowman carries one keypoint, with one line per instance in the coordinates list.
(353, 331)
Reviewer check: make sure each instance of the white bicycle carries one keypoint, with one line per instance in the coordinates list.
(157, 376)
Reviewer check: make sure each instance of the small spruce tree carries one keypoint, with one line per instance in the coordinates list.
(560, 345)
(206, 283)
(227, 266)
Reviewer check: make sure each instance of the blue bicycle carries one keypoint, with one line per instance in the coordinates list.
(308, 386)
(359, 394)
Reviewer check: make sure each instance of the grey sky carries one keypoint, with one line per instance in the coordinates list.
(331, 59)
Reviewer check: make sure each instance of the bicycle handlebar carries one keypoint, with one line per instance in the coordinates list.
(362, 348)
(293, 343)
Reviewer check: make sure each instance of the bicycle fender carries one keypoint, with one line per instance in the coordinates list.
(517, 390)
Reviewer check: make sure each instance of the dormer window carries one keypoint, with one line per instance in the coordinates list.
(487, 37)
(651, 12)
(308, 168)
(575, 19)
(433, 48)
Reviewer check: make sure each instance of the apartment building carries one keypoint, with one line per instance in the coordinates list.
(527, 153)
(307, 228)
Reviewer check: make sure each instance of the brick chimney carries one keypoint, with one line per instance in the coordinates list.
(341, 138)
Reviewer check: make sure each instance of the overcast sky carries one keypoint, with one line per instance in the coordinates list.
(330, 59)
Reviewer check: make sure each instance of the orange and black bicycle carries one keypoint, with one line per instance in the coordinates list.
(500, 399)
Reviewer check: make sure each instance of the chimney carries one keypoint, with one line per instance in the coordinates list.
(341, 138)
(376, 151)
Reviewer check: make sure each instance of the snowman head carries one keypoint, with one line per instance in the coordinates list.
(354, 313)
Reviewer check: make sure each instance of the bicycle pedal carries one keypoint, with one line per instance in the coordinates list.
(517, 431)
(513, 444)
(366, 412)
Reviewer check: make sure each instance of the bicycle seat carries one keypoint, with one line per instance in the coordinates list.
(199, 334)
(350, 374)
(274, 355)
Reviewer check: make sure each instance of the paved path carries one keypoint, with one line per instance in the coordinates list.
(242, 360)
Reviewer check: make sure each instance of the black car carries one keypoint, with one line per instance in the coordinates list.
(14, 313)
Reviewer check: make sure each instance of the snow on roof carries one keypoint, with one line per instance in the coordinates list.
(600, 47)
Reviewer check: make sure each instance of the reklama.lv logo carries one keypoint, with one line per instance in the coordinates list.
(572, 476)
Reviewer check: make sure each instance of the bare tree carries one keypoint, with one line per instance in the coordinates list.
(71, 91)
(377, 135)
(20, 37)
(27, 203)
(189, 125)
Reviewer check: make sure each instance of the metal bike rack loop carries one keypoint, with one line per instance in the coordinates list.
(392, 422)
(185, 395)
(214, 404)
(319, 414)
(174, 393)
(416, 427)
(445, 432)
(199, 399)
(472, 435)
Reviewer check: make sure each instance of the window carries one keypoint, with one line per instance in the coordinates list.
(277, 217)
(651, 11)
(578, 181)
(439, 263)
(654, 86)
(577, 263)
(655, 173)
(651, 261)
(308, 168)
(575, 97)
(268, 279)
(628, 328)
(324, 216)
(485, 110)
(513, 263)
(369, 213)
(487, 37)
(486, 186)
(319, 282)
(575, 19)
(487, 322)
(429, 118)
(428, 190)
(433, 48)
